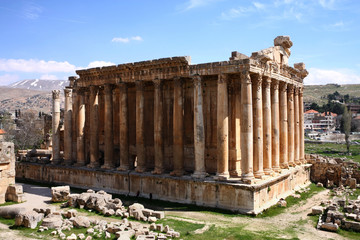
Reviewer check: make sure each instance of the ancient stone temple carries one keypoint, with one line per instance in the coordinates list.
(222, 134)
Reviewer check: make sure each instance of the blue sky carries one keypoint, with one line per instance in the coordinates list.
(51, 39)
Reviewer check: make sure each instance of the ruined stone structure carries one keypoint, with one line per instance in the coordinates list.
(7, 168)
(225, 130)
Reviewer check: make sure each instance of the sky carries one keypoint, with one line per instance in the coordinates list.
(44, 39)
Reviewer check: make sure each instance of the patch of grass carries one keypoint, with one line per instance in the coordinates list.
(355, 194)
(349, 234)
(184, 227)
(334, 150)
(291, 201)
(8, 203)
(6, 221)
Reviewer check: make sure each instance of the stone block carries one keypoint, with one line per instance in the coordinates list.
(352, 183)
(147, 212)
(158, 214)
(60, 194)
(333, 227)
(317, 210)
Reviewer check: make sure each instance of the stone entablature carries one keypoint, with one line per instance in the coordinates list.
(239, 119)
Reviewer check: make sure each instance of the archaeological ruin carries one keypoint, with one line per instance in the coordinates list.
(224, 134)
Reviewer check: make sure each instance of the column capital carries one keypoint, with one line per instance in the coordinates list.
(108, 88)
(140, 84)
(197, 79)
(158, 83)
(257, 80)
(283, 86)
(223, 78)
(245, 77)
(123, 86)
(94, 89)
(178, 81)
(68, 92)
(275, 84)
(56, 94)
(81, 90)
(290, 88)
(296, 91)
(72, 81)
(267, 82)
(301, 91)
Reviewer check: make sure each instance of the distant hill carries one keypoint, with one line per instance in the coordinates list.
(23, 99)
(319, 93)
(40, 84)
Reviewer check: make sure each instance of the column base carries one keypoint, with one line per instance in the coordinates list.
(259, 174)
(235, 173)
(158, 171)
(248, 178)
(123, 168)
(303, 161)
(268, 171)
(222, 176)
(276, 169)
(297, 162)
(107, 166)
(93, 165)
(140, 169)
(79, 164)
(177, 173)
(292, 164)
(199, 174)
(284, 166)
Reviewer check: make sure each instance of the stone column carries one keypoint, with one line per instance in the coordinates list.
(199, 131)
(222, 128)
(68, 127)
(124, 128)
(56, 127)
(267, 125)
(275, 122)
(80, 161)
(258, 129)
(140, 141)
(291, 125)
(301, 113)
(75, 111)
(297, 127)
(94, 127)
(246, 128)
(236, 168)
(178, 128)
(108, 128)
(283, 126)
(158, 127)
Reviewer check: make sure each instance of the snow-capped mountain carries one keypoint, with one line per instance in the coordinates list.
(40, 84)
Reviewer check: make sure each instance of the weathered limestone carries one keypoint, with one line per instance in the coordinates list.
(275, 130)
(158, 127)
(68, 127)
(283, 126)
(94, 127)
(109, 128)
(267, 126)
(258, 129)
(297, 127)
(60, 194)
(178, 131)
(56, 127)
(246, 128)
(222, 128)
(140, 142)
(124, 128)
(301, 126)
(199, 131)
(291, 126)
(81, 128)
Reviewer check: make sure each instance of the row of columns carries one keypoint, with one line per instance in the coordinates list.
(271, 121)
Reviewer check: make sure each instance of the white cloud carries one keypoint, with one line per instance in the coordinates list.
(126, 40)
(95, 64)
(198, 3)
(32, 11)
(33, 65)
(329, 4)
(49, 77)
(8, 78)
(259, 5)
(323, 76)
(236, 12)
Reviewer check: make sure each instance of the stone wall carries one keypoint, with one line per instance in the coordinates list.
(233, 196)
(7, 168)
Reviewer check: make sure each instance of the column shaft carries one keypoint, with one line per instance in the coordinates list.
(75, 111)
(236, 169)
(301, 112)
(258, 129)
(178, 129)
(158, 127)
(246, 128)
(124, 128)
(140, 143)
(291, 125)
(94, 127)
(108, 128)
(222, 128)
(199, 131)
(68, 127)
(297, 127)
(283, 126)
(56, 127)
(81, 128)
(275, 115)
(267, 125)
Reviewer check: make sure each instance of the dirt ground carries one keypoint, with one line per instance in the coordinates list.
(40, 197)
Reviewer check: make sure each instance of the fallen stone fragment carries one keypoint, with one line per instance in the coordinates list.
(80, 222)
(60, 194)
(317, 210)
(333, 227)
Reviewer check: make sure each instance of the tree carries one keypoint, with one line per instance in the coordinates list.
(27, 133)
(347, 127)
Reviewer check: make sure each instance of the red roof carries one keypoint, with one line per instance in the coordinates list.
(2, 131)
(328, 114)
(311, 111)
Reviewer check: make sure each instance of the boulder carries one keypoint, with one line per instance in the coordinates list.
(28, 219)
(60, 194)
(135, 207)
(80, 222)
